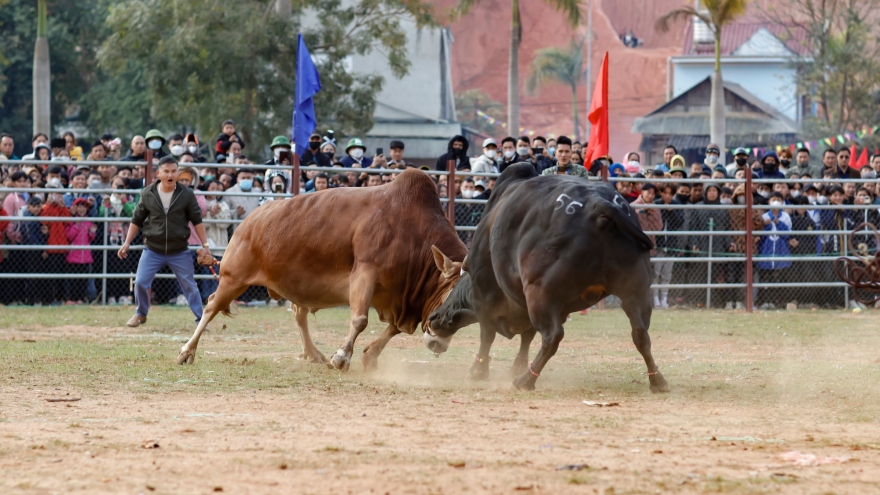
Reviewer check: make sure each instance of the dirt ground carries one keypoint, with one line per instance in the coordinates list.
(764, 403)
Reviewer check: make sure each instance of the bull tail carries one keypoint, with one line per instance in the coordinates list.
(621, 215)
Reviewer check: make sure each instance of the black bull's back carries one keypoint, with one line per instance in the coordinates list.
(546, 247)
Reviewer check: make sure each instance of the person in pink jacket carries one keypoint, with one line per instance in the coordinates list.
(79, 260)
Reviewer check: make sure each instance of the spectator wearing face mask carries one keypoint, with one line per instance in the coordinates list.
(485, 163)
(704, 220)
(354, 152)
(633, 163)
(667, 246)
(242, 206)
(313, 156)
(192, 146)
(784, 161)
(713, 156)
(456, 152)
(740, 161)
(777, 221)
(155, 141)
(508, 153)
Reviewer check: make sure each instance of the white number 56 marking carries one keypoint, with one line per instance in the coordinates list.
(570, 208)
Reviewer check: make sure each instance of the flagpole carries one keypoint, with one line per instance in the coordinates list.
(589, 65)
(295, 175)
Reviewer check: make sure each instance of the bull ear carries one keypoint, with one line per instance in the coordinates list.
(444, 264)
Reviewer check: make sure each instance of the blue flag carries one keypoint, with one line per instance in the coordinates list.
(308, 82)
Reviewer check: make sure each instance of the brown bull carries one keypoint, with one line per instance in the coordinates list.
(361, 247)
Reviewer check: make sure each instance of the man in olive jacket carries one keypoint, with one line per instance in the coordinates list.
(163, 215)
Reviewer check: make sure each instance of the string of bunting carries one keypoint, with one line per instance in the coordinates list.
(492, 120)
(843, 138)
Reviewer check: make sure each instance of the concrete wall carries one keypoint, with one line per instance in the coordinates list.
(771, 80)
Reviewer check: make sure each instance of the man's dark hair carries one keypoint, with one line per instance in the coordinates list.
(649, 187)
(227, 121)
(123, 168)
(107, 136)
(468, 179)
(38, 135)
(77, 174)
(342, 179)
(800, 200)
(727, 190)
(17, 176)
(668, 146)
(322, 176)
(525, 139)
(6, 135)
(834, 189)
(54, 170)
(245, 170)
(563, 140)
(508, 139)
(576, 142)
(34, 201)
(777, 194)
(168, 159)
(803, 150)
(844, 148)
(58, 143)
(541, 138)
(187, 153)
(175, 137)
(829, 150)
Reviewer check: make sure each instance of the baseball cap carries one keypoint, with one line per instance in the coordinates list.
(488, 141)
(740, 151)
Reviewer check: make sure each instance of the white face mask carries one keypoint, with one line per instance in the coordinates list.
(356, 153)
(522, 151)
(711, 159)
(812, 199)
(54, 182)
(727, 201)
(192, 149)
(741, 200)
(154, 144)
(467, 193)
(509, 154)
(795, 193)
(634, 163)
(775, 204)
(176, 150)
(764, 194)
(257, 189)
(490, 154)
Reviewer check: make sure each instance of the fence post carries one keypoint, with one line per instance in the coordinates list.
(709, 271)
(295, 175)
(846, 287)
(148, 169)
(605, 170)
(749, 242)
(104, 278)
(450, 192)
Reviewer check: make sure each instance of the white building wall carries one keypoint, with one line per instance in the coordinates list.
(773, 81)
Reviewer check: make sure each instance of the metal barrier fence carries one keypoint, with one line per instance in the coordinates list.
(704, 258)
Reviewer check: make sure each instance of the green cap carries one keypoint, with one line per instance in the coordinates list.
(355, 143)
(154, 134)
(280, 141)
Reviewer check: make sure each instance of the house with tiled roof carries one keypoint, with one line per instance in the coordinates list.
(758, 56)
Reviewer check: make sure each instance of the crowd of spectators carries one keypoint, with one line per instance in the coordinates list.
(53, 164)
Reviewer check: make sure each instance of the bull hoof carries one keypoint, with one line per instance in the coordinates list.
(518, 368)
(340, 361)
(314, 357)
(480, 371)
(658, 384)
(186, 356)
(525, 382)
(371, 363)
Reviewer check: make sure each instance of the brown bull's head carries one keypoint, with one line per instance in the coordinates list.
(450, 273)
(454, 312)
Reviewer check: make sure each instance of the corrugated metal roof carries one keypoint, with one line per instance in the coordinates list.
(734, 35)
(682, 143)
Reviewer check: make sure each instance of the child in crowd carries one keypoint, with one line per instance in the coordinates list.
(227, 137)
(54, 260)
(80, 260)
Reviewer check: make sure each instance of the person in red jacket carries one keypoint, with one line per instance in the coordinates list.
(55, 262)
(79, 261)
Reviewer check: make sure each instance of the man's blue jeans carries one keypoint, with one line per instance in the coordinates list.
(181, 264)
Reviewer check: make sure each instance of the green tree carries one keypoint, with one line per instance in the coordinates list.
(572, 11)
(840, 70)
(717, 14)
(467, 104)
(204, 61)
(564, 65)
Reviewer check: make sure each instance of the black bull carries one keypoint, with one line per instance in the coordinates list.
(547, 247)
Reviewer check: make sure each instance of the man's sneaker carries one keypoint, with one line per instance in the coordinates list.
(181, 300)
(111, 301)
(136, 321)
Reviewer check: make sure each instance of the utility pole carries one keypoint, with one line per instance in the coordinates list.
(589, 66)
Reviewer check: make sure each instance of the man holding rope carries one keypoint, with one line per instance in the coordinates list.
(163, 214)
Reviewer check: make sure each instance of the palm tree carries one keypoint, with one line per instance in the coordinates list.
(42, 83)
(560, 65)
(572, 11)
(717, 14)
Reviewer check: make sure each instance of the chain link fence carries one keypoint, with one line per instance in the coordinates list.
(52, 256)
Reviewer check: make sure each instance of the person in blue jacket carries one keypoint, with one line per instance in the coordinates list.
(774, 245)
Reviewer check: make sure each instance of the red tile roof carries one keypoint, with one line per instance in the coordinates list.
(735, 35)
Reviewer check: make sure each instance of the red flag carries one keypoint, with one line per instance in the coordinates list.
(597, 146)
(852, 153)
(863, 159)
